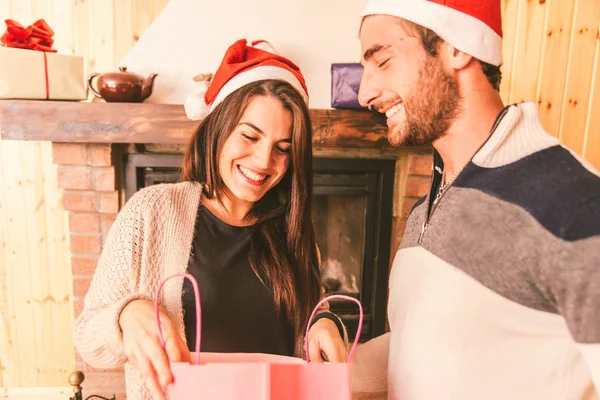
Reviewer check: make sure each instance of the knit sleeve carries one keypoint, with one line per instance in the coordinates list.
(97, 335)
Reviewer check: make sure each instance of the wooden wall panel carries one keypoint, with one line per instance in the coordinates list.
(510, 16)
(36, 318)
(557, 38)
(527, 51)
(551, 55)
(592, 139)
(584, 36)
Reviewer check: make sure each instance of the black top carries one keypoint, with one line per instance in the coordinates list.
(238, 311)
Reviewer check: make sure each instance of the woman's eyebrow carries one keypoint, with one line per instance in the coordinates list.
(251, 125)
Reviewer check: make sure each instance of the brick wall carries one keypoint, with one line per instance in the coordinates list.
(413, 177)
(87, 177)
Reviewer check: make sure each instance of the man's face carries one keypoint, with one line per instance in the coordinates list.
(404, 82)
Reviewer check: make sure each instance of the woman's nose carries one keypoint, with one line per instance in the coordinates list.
(262, 157)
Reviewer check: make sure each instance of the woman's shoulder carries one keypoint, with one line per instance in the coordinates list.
(164, 195)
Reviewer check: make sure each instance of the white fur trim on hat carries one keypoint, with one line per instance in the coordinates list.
(464, 32)
(258, 74)
(195, 106)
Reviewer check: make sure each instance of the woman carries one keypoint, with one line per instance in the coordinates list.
(239, 222)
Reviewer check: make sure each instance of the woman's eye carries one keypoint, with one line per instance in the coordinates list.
(283, 150)
(251, 138)
(384, 62)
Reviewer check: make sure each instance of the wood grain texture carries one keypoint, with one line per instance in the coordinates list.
(162, 123)
(557, 38)
(510, 18)
(528, 50)
(584, 38)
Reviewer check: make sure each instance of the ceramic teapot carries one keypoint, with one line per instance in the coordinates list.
(122, 86)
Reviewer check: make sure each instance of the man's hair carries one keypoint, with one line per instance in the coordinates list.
(431, 40)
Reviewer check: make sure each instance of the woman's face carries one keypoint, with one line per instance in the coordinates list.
(256, 156)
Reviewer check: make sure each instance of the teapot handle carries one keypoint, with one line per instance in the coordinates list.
(91, 86)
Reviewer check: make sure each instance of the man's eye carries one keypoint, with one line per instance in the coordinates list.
(384, 62)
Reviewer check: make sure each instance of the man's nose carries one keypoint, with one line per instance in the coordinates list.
(368, 91)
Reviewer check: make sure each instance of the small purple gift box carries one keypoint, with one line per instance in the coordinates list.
(345, 81)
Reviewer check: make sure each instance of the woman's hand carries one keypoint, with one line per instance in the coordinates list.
(325, 343)
(142, 345)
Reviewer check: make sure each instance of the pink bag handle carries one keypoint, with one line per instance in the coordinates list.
(360, 322)
(198, 311)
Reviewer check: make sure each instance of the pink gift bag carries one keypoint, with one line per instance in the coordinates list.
(255, 376)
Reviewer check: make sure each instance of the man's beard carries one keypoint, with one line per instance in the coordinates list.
(430, 109)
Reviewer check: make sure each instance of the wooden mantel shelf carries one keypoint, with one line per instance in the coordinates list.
(79, 122)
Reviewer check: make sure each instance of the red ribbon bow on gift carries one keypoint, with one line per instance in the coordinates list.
(35, 37)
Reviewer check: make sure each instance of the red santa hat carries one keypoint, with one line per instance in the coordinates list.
(471, 26)
(243, 63)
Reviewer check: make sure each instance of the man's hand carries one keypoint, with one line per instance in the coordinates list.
(325, 343)
(142, 345)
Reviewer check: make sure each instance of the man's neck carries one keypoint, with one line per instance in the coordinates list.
(468, 132)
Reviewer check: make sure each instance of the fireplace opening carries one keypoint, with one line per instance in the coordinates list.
(352, 216)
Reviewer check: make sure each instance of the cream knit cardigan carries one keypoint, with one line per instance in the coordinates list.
(150, 239)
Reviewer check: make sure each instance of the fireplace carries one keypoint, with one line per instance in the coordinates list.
(88, 140)
(352, 214)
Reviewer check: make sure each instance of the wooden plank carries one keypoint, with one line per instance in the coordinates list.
(9, 369)
(510, 18)
(42, 9)
(143, 15)
(527, 51)
(44, 393)
(591, 148)
(123, 28)
(20, 10)
(554, 63)
(59, 271)
(35, 272)
(158, 6)
(347, 128)
(4, 14)
(82, 36)
(62, 23)
(163, 123)
(579, 75)
(103, 34)
(18, 267)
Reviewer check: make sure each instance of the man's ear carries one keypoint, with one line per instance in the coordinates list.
(455, 58)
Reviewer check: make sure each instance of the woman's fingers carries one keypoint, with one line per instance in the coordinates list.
(175, 348)
(149, 374)
(160, 362)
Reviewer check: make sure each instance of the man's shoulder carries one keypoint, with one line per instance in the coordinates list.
(553, 185)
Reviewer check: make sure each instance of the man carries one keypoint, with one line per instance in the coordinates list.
(495, 290)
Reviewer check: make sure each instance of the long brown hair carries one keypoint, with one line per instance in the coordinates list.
(283, 251)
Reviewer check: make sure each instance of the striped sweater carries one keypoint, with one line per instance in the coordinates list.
(495, 291)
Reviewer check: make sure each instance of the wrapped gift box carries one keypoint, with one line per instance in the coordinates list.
(31, 74)
(345, 81)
